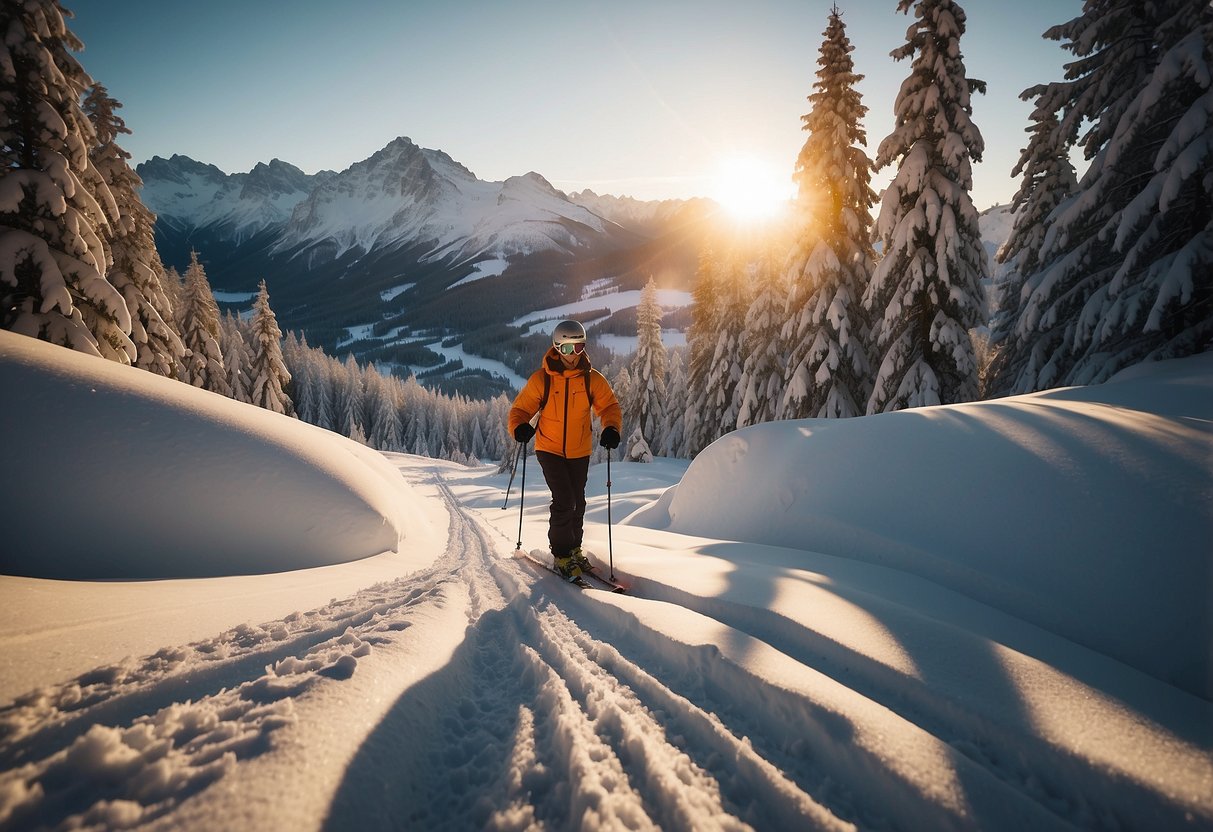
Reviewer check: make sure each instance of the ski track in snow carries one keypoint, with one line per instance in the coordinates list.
(559, 708)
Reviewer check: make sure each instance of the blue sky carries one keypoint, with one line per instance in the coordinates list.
(646, 98)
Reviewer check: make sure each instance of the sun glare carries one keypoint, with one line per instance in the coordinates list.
(749, 189)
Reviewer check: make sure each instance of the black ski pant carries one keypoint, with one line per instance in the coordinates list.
(566, 480)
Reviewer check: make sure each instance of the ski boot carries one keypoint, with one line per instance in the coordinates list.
(583, 563)
(567, 567)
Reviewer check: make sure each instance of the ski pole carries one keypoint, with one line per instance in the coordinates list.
(521, 496)
(513, 470)
(610, 546)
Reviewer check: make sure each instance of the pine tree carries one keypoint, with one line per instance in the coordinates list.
(926, 293)
(1048, 179)
(237, 357)
(174, 289)
(701, 346)
(1127, 262)
(637, 449)
(385, 436)
(55, 208)
(350, 387)
(676, 405)
(828, 369)
(626, 393)
(649, 367)
(728, 359)
(761, 384)
(137, 271)
(268, 376)
(203, 362)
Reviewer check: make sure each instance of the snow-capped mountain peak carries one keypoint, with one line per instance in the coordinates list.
(190, 194)
(408, 195)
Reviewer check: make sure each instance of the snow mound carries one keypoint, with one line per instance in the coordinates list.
(1085, 511)
(114, 473)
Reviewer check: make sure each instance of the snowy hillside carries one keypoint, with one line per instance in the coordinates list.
(861, 635)
(165, 480)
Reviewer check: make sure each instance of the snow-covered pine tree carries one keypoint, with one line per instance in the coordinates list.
(761, 384)
(295, 352)
(1127, 272)
(314, 377)
(724, 373)
(637, 449)
(649, 367)
(624, 387)
(478, 449)
(350, 419)
(676, 405)
(826, 331)
(504, 447)
(237, 356)
(55, 209)
(1048, 178)
(701, 346)
(385, 435)
(137, 271)
(174, 288)
(926, 293)
(203, 362)
(268, 375)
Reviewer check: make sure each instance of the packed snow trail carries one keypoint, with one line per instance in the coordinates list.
(480, 692)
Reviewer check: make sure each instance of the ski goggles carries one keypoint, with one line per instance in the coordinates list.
(570, 347)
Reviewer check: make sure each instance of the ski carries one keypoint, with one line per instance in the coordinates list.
(614, 586)
(596, 579)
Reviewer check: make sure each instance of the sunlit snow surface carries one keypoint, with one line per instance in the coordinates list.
(892, 622)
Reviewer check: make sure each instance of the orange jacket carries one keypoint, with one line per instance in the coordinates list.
(564, 425)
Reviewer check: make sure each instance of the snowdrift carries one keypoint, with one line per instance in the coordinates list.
(114, 473)
(1086, 511)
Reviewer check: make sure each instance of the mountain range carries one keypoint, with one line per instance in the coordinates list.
(408, 247)
(403, 239)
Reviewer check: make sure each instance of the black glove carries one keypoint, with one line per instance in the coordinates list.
(609, 438)
(524, 432)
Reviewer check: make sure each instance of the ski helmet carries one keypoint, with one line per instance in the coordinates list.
(568, 332)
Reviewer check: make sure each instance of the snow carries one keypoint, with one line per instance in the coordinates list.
(395, 291)
(928, 620)
(485, 268)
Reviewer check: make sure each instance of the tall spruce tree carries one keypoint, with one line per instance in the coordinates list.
(761, 383)
(268, 376)
(203, 362)
(926, 295)
(701, 347)
(676, 403)
(1048, 179)
(1127, 262)
(237, 356)
(828, 370)
(136, 270)
(649, 368)
(55, 208)
(722, 402)
(385, 435)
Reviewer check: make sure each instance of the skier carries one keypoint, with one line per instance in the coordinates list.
(562, 392)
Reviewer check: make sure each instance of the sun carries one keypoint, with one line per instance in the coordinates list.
(750, 189)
